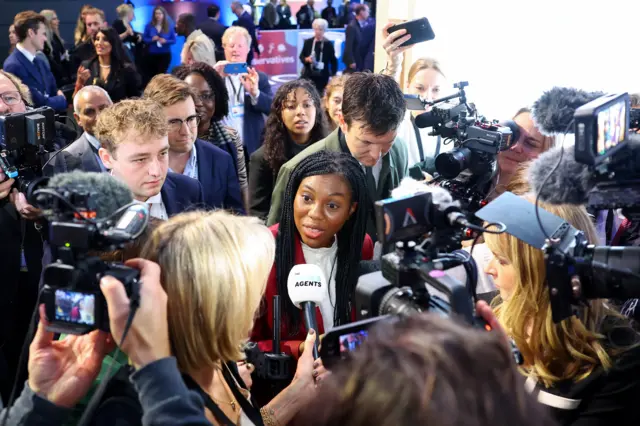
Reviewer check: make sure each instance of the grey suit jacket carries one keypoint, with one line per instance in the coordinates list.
(76, 156)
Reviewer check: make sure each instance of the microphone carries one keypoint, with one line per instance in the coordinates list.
(427, 119)
(553, 111)
(570, 183)
(307, 288)
(104, 193)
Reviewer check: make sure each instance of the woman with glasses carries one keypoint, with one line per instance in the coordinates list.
(213, 107)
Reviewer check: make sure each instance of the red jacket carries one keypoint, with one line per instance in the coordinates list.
(262, 333)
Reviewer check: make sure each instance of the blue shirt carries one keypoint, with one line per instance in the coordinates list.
(150, 31)
(191, 168)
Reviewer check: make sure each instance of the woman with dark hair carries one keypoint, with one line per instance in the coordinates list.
(323, 222)
(213, 107)
(159, 35)
(296, 122)
(110, 69)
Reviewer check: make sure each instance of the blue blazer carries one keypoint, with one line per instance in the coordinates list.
(253, 115)
(217, 174)
(181, 193)
(150, 31)
(38, 78)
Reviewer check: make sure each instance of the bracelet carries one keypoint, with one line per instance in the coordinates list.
(268, 417)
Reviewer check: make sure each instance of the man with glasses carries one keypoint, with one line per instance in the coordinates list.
(188, 155)
(134, 147)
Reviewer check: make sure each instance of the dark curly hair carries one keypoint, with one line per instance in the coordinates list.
(276, 136)
(350, 236)
(218, 87)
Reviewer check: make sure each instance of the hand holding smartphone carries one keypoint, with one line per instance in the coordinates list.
(236, 68)
(419, 29)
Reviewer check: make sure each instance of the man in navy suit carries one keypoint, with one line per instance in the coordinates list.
(245, 20)
(189, 156)
(82, 154)
(32, 70)
(135, 147)
(250, 94)
(355, 48)
(214, 29)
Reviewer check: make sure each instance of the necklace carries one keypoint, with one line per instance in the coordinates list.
(105, 66)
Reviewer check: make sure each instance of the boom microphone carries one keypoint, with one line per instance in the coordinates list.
(427, 119)
(307, 288)
(570, 183)
(106, 193)
(553, 111)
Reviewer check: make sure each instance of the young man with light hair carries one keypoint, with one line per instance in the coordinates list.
(135, 147)
(188, 155)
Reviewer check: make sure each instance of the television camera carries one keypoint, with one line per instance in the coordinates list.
(25, 140)
(469, 169)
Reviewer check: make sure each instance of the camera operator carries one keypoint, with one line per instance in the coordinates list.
(586, 367)
(426, 370)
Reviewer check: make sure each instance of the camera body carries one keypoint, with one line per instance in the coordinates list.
(468, 170)
(72, 297)
(26, 138)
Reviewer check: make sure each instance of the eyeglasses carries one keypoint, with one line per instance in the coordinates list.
(11, 98)
(207, 96)
(176, 124)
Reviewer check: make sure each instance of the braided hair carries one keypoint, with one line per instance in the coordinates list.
(350, 237)
(276, 136)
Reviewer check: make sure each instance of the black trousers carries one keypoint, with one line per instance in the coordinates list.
(156, 64)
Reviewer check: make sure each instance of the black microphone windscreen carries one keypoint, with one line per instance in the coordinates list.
(427, 119)
(554, 110)
(107, 193)
(570, 183)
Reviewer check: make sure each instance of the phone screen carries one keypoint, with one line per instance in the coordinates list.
(612, 127)
(350, 342)
(75, 307)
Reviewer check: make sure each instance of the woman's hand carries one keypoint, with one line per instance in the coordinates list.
(148, 337)
(83, 75)
(245, 369)
(309, 59)
(62, 371)
(250, 81)
(161, 40)
(155, 38)
(304, 371)
(393, 41)
(319, 373)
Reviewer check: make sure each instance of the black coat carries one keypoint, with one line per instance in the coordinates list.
(126, 84)
(214, 30)
(328, 58)
(261, 183)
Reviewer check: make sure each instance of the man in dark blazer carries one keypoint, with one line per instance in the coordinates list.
(354, 51)
(214, 29)
(250, 94)
(82, 154)
(135, 148)
(246, 21)
(189, 156)
(32, 70)
(373, 108)
(306, 15)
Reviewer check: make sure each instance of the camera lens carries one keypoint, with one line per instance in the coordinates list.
(451, 164)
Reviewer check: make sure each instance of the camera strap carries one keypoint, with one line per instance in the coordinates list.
(419, 140)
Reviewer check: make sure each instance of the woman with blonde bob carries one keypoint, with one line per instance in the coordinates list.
(586, 367)
(214, 270)
(198, 48)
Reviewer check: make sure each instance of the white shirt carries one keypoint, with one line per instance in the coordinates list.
(407, 133)
(30, 56)
(375, 170)
(326, 259)
(156, 207)
(236, 99)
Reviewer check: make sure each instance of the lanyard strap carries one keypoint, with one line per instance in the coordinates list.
(237, 93)
(313, 49)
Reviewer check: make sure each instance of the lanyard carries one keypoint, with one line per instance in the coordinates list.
(313, 49)
(237, 93)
